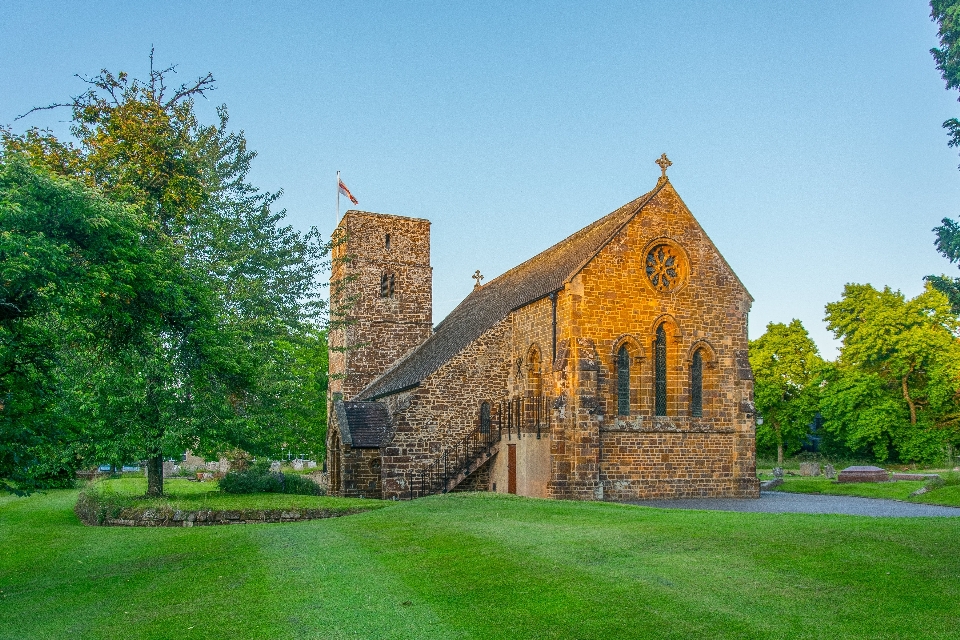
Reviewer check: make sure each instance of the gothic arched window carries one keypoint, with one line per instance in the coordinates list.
(623, 381)
(660, 367)
(485, 417)
(696, 385)
(386, 285)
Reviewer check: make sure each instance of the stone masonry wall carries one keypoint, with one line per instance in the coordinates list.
(612, 303)
(361, 473)
(380, 329)
(445, 407)
(682, 464)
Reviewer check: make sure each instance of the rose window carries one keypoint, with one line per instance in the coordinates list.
(664, 268)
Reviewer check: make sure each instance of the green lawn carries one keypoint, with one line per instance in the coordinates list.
(191, 496)
(481, 566)
(899, 490)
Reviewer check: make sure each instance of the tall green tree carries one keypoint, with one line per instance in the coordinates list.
(946, 13)
(896, 385)
(75, 270)
(785, 364)
(199, 375)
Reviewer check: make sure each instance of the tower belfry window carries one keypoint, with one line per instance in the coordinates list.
(386, 242)
(387, 285)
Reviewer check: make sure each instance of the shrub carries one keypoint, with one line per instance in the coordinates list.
(951, 478)
(259, 479)
(96, 503)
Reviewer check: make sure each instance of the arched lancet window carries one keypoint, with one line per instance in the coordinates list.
(386, 241)
(623, 381)
(386, 285)
(660, 367)
(485, 417)
(696, 385)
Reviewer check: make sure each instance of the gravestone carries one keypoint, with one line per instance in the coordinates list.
(863, 474)
(298, 465)
(829, 472)
(778, 472)
(809, 469)
(311, 464)
(275, 467)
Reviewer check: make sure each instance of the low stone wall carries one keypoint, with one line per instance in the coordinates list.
(209, 517)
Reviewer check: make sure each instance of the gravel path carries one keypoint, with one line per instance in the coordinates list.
(782, 502)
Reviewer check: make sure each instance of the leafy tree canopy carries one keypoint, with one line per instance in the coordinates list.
(75, 268)
(946, 13)
(785, 364)
(895, 386)
(204, 372)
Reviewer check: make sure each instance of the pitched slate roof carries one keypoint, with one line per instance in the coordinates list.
(484, 307)
(367, 422)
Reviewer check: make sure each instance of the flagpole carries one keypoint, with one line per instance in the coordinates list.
(338, 199)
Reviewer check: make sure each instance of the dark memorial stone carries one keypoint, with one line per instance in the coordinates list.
(863, 474)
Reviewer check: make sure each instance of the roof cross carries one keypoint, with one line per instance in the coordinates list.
(664, 162)
(478, 277)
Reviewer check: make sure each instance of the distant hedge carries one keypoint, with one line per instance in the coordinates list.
(259, 479)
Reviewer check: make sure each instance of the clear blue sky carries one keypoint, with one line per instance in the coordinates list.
(805, 136)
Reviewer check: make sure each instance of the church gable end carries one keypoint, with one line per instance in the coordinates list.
(607, 367)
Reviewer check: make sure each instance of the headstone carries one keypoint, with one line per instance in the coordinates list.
(311, 464)
(275, 466)
(863, 474)
(778, 472)
(829, 471)
(809, 469)
(298, 465)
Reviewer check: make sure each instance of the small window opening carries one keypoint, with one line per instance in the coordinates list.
(387, 285)
(387, 242)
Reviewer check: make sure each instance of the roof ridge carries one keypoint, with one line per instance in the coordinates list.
(489, 304)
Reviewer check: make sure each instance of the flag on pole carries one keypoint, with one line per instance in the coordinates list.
(345, 191)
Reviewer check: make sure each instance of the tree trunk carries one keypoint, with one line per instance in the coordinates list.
(155, 476)
(906, 396)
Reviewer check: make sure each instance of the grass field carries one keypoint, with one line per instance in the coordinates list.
(481, 566)
(190, 496)
(900, 490)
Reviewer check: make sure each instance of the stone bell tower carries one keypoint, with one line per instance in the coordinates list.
(381, 298)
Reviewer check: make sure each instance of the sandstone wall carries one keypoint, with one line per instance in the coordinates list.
(380, 329)
(444, 408)
(612, 303)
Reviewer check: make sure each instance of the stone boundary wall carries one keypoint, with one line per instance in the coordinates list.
(209, 517)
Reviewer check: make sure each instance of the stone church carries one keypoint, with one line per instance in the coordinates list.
(612, 366)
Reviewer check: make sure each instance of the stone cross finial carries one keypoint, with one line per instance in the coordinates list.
(664, 162)
(478, 277)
